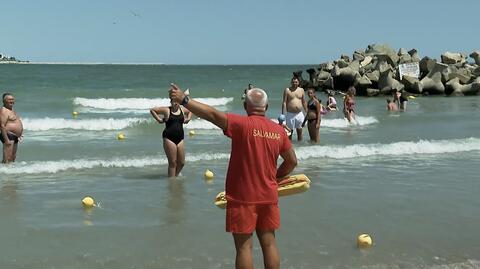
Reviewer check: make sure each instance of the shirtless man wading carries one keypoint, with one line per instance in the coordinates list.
(11, 128)
(293, 102)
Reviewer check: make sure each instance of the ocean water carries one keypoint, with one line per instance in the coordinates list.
(409, 179)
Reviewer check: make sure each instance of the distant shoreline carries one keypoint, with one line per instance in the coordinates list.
(100, 63)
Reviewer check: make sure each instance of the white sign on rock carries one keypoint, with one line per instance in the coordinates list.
(409, 69)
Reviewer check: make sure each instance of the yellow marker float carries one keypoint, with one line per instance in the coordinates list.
(364, 240)
(209, 174)
(88, 202)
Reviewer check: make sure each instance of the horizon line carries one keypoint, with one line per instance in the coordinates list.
(140, 63)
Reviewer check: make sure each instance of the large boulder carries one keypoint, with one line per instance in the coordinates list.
(453, 58)
(431, 84)
(386, 82)
(476, 56)
(323, 75)
(373, 76)
(463, 74)
(414, 55)
(455, 88)
(410, 83)
(374, 49)
(373, 92)
(366, 61)
(358, 55)
(426, 64)
(344, 77)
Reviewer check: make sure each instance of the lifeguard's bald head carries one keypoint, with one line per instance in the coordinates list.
(257, 100)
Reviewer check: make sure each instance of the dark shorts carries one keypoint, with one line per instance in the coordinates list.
(11, 137)
(247, 218)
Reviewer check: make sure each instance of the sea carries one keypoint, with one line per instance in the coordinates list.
(408, 179)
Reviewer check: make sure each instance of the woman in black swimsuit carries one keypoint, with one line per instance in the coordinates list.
(174, 117)
(314, 116)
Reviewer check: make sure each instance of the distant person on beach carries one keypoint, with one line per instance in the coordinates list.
(314, 116)
(281, 121)
(292, 104)
(391, 105)
(349, 105)
(11, 128)
(249, 87)
(331, 102)
(400, 100)
(252, 175)
(174, 117)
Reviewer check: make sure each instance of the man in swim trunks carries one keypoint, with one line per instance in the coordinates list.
(251, 183)
(293, 102)
(11, 128)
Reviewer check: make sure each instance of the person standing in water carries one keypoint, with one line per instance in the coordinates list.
(400, 100)
(292, 104)
(174, 117)
(252, 175)
(331, 102)
(349, 105)
(11, 128)
(391, 105)
(314, 116)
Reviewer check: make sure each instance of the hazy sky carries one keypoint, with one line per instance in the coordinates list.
(230, 32)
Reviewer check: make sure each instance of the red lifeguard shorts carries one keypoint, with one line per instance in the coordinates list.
(247, 218)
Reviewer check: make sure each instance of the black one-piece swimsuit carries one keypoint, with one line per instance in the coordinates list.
(174, 127)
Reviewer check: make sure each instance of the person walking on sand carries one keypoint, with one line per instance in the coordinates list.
(11, 128)
(349, 105)
(252, 175)
(292, 104)
(314, 116)
(174, 117)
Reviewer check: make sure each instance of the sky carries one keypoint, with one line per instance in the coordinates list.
(230, 32)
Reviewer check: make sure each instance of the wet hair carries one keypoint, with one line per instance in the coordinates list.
(5, 95)
(351, 90)
(293, 78)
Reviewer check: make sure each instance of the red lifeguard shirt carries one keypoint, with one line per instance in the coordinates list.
(256, 145)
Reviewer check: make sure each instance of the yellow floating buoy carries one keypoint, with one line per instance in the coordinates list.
(120, 136)
(208, 174)
(412, 97)
(191, 133)
(88, 202)
(364, 240)
(74, 113)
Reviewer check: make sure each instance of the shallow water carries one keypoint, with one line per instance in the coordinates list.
(409, 179)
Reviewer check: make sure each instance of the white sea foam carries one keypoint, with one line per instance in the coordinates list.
(343, 123)
(140, 103)
(50, 167)
(392, 149)
(307, 152)
(201, 124)
(45, 124)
